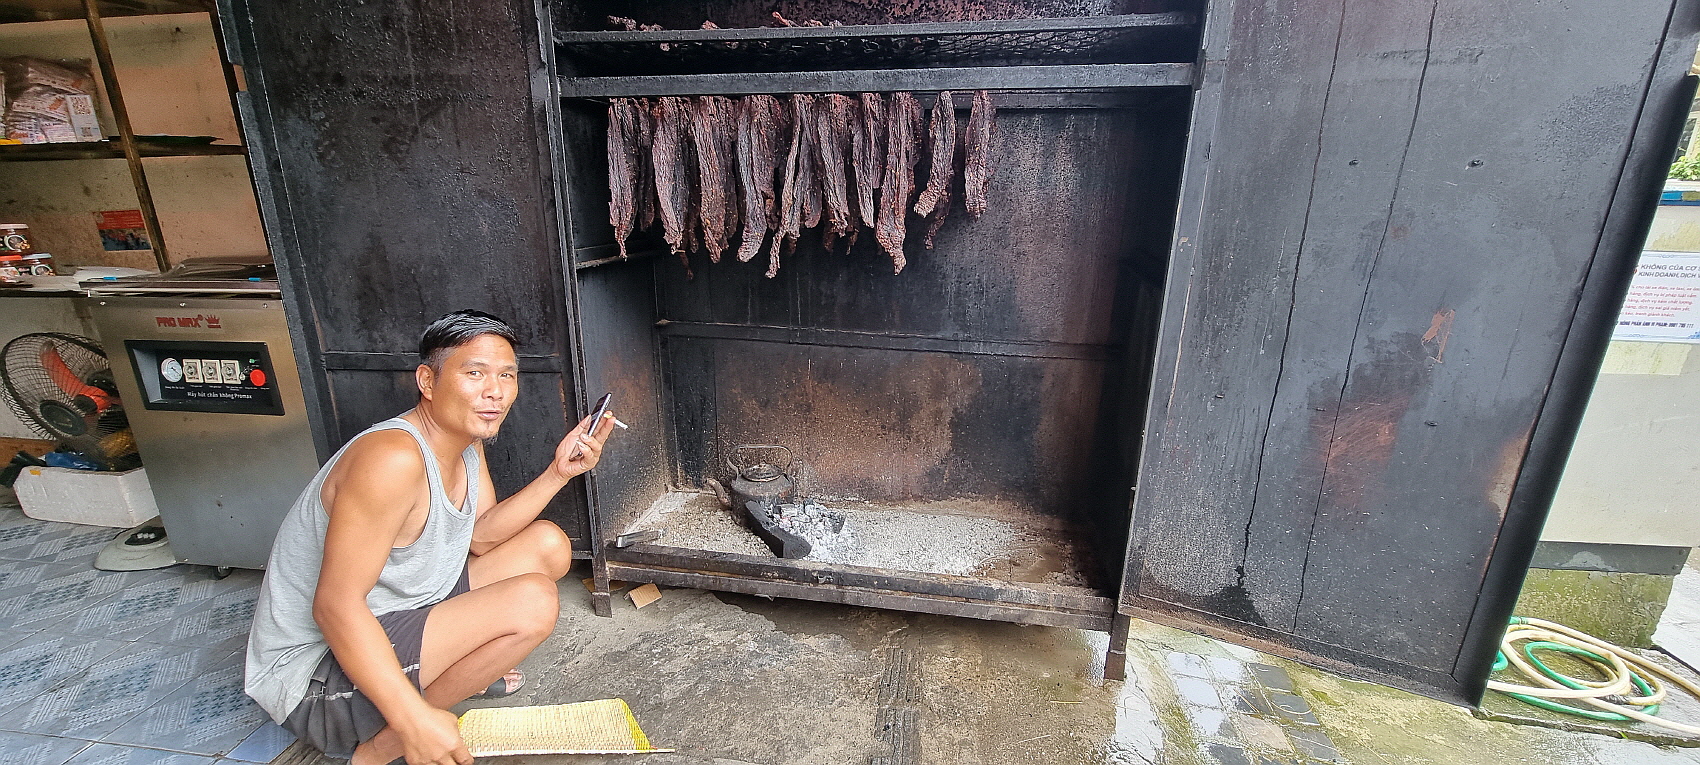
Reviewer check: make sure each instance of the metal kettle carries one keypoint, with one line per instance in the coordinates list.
(761, 481)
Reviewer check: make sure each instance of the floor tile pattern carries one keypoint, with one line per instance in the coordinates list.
(107, 754)
(263, 745)
(118, 668)
(1247, 713)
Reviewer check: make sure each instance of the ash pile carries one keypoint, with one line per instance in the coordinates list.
(810, 520)
(795, 530)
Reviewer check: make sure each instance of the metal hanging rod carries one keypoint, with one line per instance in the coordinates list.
(931, 29)
(1060, 77)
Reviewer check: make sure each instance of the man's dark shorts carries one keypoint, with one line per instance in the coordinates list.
(335, 716)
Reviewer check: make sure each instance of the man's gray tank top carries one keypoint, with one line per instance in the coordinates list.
(285, 644)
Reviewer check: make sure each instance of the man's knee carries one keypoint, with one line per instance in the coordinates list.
(538, 604)
(553, 548)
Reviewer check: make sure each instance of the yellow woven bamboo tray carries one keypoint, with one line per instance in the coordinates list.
(589, 727)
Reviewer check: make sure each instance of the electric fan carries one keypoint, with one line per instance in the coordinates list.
(61, 386)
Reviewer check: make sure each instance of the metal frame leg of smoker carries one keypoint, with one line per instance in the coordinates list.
(602, 596)
(1115, 660)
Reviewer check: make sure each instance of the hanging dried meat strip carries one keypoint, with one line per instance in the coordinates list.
(808, 170)
(785, 22)
(726, 133)
(711, 121)
(799, 180)
(832, 137)
(671, 158)
(935, 221)
(644, 116)
(977, 153)
(897, 185)
(934, 202)
(760, 120)
(941, 148)
(622, 169)
(867, 150)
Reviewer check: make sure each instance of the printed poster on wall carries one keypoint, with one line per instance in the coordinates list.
(1663, 304)
(122, 230)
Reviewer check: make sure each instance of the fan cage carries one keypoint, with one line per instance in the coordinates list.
(28, 387)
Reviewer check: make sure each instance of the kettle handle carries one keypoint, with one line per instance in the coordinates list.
(737, 451)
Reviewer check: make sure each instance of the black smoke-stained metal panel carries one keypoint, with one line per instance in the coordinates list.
(1383, 248)
(403, 161)
(621, 358)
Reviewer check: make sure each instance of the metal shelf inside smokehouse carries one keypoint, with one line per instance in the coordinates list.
(1119, 39)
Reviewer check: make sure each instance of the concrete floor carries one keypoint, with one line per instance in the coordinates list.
(736, 680)
(729, 680)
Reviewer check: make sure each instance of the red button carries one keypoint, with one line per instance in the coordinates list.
(257, 376)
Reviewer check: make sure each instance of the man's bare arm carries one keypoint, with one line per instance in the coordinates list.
(368, 497)
(501, 521)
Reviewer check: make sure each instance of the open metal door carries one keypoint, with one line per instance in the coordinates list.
(402, 157)
(1404, 232)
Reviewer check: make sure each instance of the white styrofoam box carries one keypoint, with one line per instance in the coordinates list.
(86, 496)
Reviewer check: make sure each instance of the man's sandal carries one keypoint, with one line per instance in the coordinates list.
(506, 685)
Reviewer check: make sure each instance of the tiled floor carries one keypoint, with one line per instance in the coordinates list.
(117, 668)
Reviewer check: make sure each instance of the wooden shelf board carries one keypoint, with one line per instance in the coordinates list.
(22, 11)
(36, 152)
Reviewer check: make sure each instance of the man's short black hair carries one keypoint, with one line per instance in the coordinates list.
(457, 329)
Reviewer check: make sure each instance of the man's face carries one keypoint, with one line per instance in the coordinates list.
(475, 386)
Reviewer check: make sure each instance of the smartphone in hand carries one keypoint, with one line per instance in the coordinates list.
(596, 413)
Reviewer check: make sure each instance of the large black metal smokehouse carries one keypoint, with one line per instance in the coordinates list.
(1261, 332)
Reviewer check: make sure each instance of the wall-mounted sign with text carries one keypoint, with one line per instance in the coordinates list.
(1663, 304)
(122, 230)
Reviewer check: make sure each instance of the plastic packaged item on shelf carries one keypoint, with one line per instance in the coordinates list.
(25, 125)
(66, 76)
(15, 239)
(9, 267)
(49, 101)
(37, 264)
(84, 123)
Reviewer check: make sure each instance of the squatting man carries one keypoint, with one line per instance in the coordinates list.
(398, 586)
